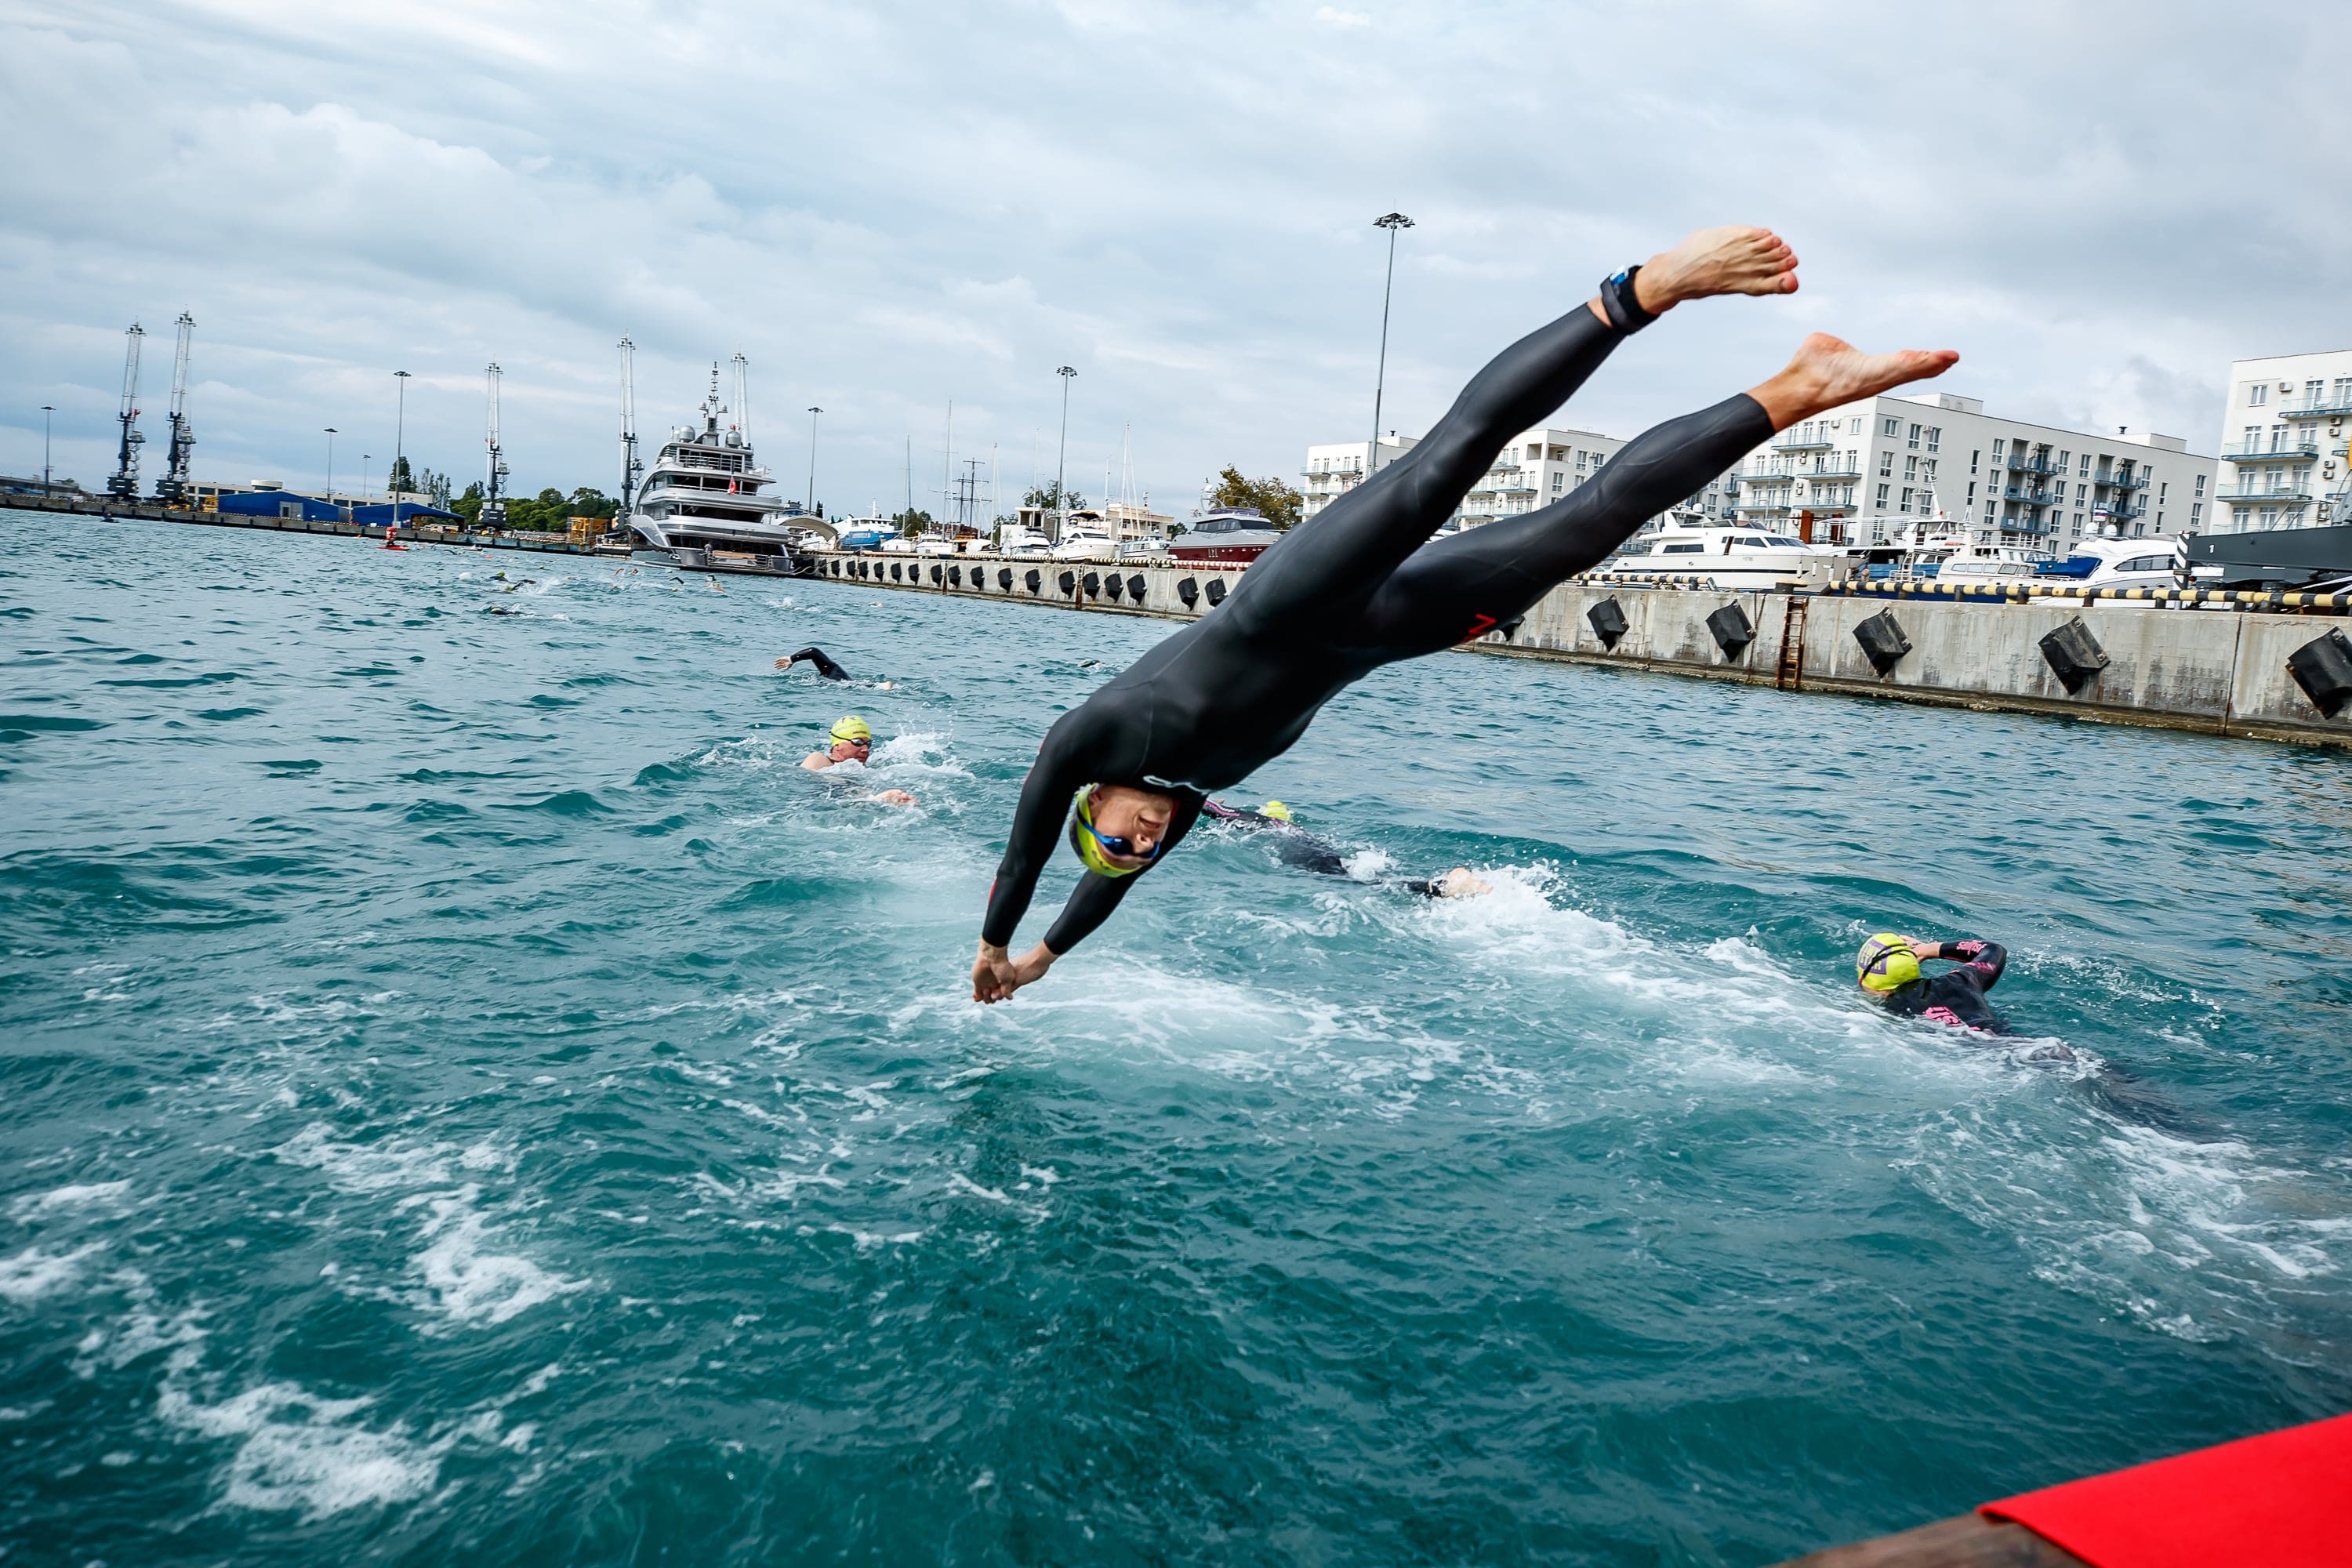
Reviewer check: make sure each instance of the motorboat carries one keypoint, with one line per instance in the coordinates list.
(1084, 539)
(1727, 557)
(1988, 565)
(2111, 562)
(866, 533)
(934, 544)
(1225, 536)
(898, 544)
(1015, 539)
(705, 500)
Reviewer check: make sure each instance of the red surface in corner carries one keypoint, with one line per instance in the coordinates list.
(2284, 1499)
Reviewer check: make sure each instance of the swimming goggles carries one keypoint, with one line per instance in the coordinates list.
(1115, 843)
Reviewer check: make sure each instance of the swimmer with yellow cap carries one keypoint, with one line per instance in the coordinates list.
(1888, 968)
(851, 740)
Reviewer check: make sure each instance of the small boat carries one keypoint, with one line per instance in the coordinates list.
(1015, 539)
(1084, 539)
(1984, 565)
(1225, 536)
(1728, 557)
(2110, 561)
(864, 534)
(934, 544)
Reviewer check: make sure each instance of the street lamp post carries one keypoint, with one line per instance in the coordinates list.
(47, 409)
(330, 465)
(1392, 222)
(1061, 500)
(814, 412)
(365, 458)
(399, 445)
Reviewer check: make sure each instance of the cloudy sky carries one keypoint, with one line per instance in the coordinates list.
(888, 207)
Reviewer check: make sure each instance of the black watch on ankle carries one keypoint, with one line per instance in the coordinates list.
(1625, 313)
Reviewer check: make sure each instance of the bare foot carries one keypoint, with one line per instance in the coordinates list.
(1827, 372)
(1731, 260)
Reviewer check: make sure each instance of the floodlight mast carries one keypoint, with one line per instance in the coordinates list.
(631, 467)
(124, 483)
(172, 489)
(494, 505)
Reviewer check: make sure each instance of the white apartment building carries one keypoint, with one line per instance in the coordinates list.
(1335, 467)
(2283, 438)
(1536, 469)
(1856, 472)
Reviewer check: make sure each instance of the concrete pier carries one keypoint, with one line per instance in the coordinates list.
(2209, 662)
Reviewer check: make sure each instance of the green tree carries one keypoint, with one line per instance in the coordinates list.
(912, 522)
(588, 501)
(1054, 498)
(469, 505)
(1275, 500)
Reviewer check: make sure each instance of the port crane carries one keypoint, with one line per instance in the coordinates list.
(124, 484)
(494, 505)
(171, 490)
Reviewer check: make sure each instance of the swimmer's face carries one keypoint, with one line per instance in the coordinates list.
(852, 750)
(1141, 817)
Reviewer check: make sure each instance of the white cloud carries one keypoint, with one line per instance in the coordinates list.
(889, 209)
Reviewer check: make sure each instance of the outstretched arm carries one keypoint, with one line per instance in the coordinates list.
(1986, 958)
(816, 655)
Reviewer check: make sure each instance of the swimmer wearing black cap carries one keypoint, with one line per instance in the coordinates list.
(1364, 585)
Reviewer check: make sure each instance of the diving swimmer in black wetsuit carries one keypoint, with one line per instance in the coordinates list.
(1363, 584)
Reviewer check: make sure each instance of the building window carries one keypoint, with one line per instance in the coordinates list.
(1972, 458)
(2080, 492)
(2258, 394)
(1558, 479)
(1910, 467)
(2160, 490)
(1886, 466)
(1988, 512)
(1906, 501)
(2200, 484)
(1894, 427)
(2066, 459)
(2078, 523)
(1882, 498)
(2196, 513)
(1914, 437)
(1972, 492)
(1935, 438)
(1928, 472)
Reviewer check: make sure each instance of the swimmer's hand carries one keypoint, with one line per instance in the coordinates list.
(894, 797)
(996, 975)
(1463, 883)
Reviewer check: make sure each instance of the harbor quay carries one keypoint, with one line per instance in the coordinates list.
(2272, 667)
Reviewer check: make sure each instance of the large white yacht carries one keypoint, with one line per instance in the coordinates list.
(1728, 557)
(705, 500)
(1084, 538)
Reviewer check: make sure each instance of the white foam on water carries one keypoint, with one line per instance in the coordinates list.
(297, 1451)
(35, 1272)
(36, 1205)
(466, 1281)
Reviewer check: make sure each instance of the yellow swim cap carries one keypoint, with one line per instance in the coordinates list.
(850, 727)
(1886, 964)
(1088, 843)
(1276, 810)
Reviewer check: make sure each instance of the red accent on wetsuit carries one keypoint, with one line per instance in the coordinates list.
(1482, 625)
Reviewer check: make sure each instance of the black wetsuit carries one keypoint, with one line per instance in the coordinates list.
(1361, 585)
(1958, 996)
(1298, 848)
(824, 666)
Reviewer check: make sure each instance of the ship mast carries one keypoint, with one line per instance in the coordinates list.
(494, 506)
(172, 490)
(124, 485)
(743, 398)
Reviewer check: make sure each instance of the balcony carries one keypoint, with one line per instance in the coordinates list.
(1793, 442)
(2022, 525)
(1835, 471)
(2033, 466)
(2282, 451)
(2249, 495)
(2326, 405)
(2024, 496)
(2118, 514)
(2123, 481)
(1780, 505)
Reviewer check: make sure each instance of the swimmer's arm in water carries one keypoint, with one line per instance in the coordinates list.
(1986, 958)
(825, 667)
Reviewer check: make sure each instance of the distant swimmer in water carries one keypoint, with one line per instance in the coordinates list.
(1888, 968)
(1367, 583)
(1298, 848)
(817, 657)
(389, 537)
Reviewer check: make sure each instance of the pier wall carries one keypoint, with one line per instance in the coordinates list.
(2220, 668)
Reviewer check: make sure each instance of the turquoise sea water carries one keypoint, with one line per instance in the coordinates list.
(468, 1094)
